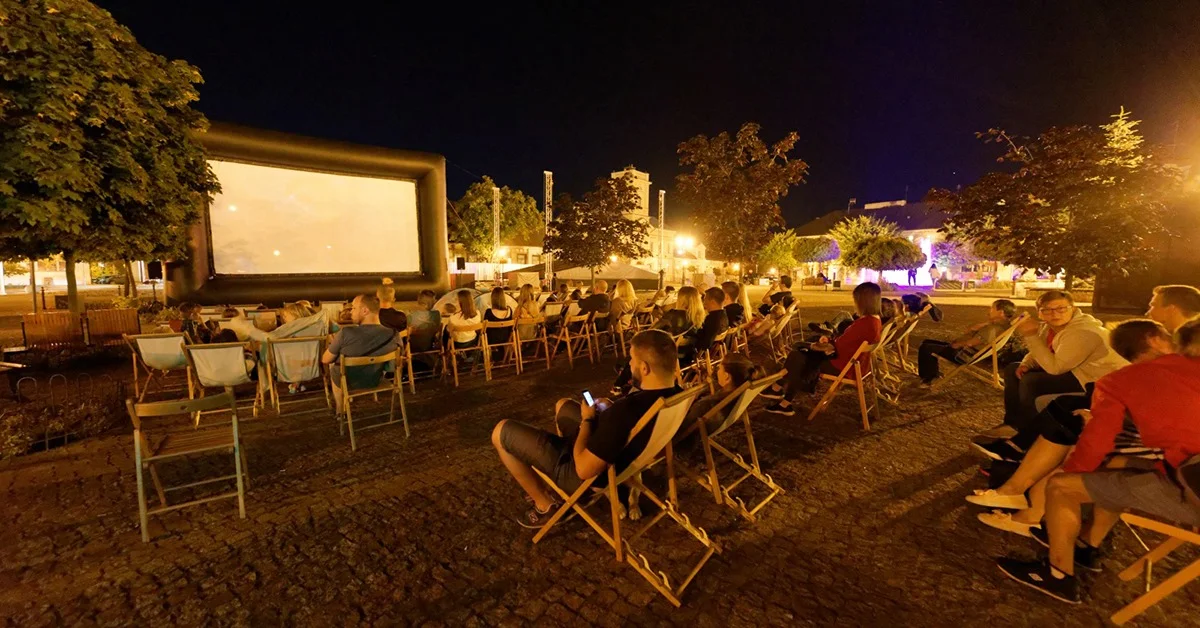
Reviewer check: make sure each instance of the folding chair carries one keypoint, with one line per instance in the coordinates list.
(159, 354)
(667, 416)
(861, 382)
(454, 351)
(510, 350)
(385, 385)
(574, 340)
(147, 455)
(886, 383)
(541, 342)
(1176, 538)
(608, 338)
(295, 361)
(740, 401)
(900, 344)
(434, 357)
(974, 367)
(741, 337)
(222, 365)
(780, 341)
(643, 318)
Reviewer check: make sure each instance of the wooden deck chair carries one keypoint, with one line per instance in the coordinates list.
(740, 410)
(222, 365)
(295, 361)
(860, 382)
(975, 367)
(741, 337)
(573, 340)
(541, 344)
(1176, 537)
(779, 337)
(158, 354)
(392, 386)
(667, 415)
(509, 351)
(886, 383)
(454, 351)
(900, 345)
(148, 454)
(643, 318)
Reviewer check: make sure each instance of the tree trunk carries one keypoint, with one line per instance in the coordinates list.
(33, 283)
(593, 280)
(1068, 280)
(130, 282)
(73, 302)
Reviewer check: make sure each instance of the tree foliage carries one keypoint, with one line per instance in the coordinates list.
(779, 252)
(587, 232)
(1080, 200)
(734, 186)
(953, 253)
(471, 220)
(884, 253)
(818, 249)
(98, 155)
(852, 231)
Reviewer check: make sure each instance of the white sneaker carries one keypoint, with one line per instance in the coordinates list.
(1004, 521)
(991, 499)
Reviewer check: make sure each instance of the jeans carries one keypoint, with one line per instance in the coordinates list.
(804, 367)
(927, 362)
(1020, 395)
(1057, 423)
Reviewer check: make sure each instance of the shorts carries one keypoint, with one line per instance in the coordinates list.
(545, 451)
(1143, 491)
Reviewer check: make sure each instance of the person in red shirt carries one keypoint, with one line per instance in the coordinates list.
(1160, 397)
(806, 362)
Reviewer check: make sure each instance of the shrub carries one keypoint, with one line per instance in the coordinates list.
(884, 253)
(23, 426)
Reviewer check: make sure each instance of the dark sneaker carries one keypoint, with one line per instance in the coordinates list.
(1001, 450)
(1036, 575)
(535, 519)
(776, 408)
(771, 394)
(1086, 557)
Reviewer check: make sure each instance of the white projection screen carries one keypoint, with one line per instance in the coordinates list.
(272, 220)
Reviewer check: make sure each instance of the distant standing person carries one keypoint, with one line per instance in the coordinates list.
(912, 276)
(935, 275)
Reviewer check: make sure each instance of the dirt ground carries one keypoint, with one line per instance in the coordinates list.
(873, 528)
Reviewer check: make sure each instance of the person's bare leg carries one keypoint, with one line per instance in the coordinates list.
(521, 472)
(1037, 502)
(337, 397)
(1042, 458)
(1065, 497)
(1101, 524)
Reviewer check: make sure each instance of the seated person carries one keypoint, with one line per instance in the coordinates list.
(1000, 317)
(780, 293)
(1052, 434)
(389, 316)
(687, 315)
(716, 322)
(498, 312)
(598, 302)
(624, 304)
(527, 309)
(735, 311)
(424, 323)
(763, 326)
(1160, 397)
(669, 298)
(888, 310)
(918, 303)
(805, 363)
(559, 295)
(230, 312)
(194, 326)
(736, 369)
(367, 338)
(588, 439)
(1067, 352)
(464, 315)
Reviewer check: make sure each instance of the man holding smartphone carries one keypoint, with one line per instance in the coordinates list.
(588, 438)
(779, 293)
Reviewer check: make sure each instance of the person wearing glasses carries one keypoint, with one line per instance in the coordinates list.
(1067, 351)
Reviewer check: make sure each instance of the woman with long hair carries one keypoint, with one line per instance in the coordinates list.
(688, 315)
(624, 303)
(736, 369)
(465, 316)
(498, 312)
(527, 307)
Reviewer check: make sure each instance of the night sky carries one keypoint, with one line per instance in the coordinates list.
(884, 95)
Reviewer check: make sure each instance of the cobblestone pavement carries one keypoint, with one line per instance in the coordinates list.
(873, 529)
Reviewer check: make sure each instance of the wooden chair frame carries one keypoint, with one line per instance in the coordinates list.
(141, 390)
(438, 352)
(605, 339)
(1176, 537)
(272, 370)
(779, 341)
(860, 383)
(666, 426)
(741, 398)
(900, 345)
(974, 366)
(541, 340)
(193, 371)
(512, 348)
(392, 386)
(643, 318)
(887, 384)
(574, 341)
(454, 351)
(216, 439)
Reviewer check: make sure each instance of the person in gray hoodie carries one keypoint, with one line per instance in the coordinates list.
(1067, 351)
